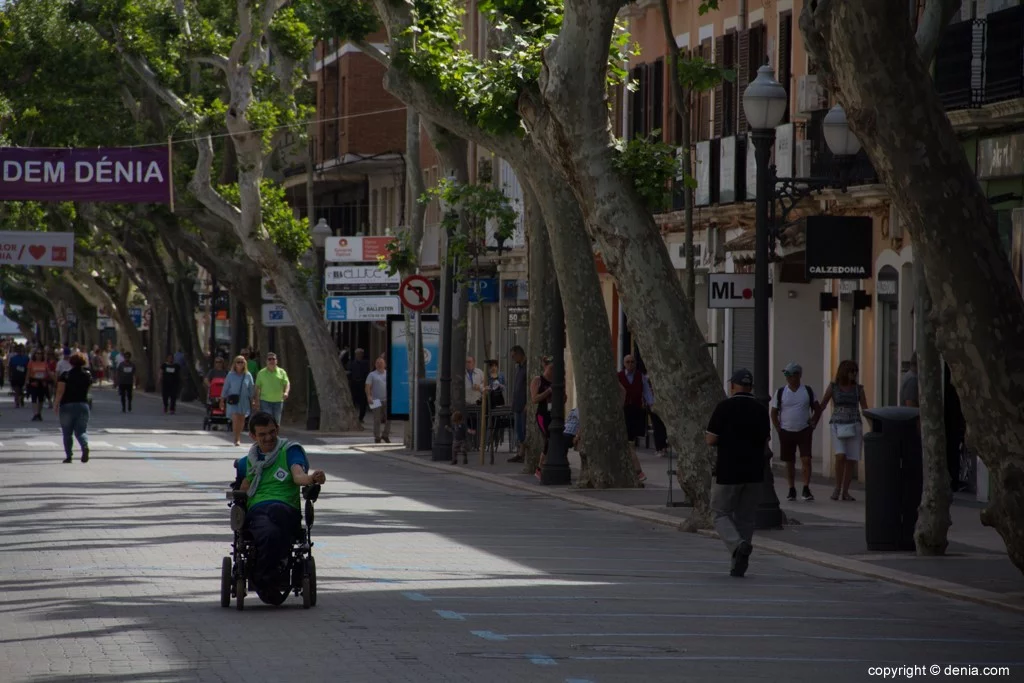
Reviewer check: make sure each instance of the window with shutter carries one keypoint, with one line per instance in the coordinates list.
(701, 120)
(719, 90)
(786, 58)
(743, 77)
(729, 87)
(645, 99)
(636, 121)
(658, 95)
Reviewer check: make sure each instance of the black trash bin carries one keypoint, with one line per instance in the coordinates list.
(892, 478)
(425, 415)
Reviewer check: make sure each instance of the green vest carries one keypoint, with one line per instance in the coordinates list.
(276, 483)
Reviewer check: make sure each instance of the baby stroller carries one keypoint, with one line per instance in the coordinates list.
(215, 415)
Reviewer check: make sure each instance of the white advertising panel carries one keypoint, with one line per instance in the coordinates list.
(276, 315)
(360, 277)
(730, 290)
(54, 249)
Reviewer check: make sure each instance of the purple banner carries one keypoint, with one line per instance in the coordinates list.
(122, 175)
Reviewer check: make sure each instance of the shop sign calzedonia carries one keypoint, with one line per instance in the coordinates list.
(839, 247)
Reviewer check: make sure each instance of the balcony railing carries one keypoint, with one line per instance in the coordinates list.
(981, 61)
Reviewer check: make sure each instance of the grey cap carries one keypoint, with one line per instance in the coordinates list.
(742, 377)
(792, 369)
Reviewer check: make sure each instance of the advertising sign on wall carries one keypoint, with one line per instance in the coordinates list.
(276, 315)
(839, 247)
(355, 278)
(355, 249)
(398, 360)
(730, 290)
(54, 249)
(123, 175)
(360, 308)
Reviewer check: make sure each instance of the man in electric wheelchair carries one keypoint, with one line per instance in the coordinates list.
(267, 519)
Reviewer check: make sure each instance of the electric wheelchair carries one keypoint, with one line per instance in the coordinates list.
(236, 578)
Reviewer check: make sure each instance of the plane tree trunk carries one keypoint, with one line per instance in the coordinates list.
(867, 51)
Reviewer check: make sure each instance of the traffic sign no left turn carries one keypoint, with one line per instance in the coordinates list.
(416, 292)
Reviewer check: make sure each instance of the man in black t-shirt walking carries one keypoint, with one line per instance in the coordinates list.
(740, 429)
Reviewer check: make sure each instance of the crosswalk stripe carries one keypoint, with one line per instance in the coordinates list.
(42, 444)
(148, 444)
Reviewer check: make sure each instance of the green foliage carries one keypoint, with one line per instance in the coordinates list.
(699, 75)
(400, 257)
(480, 206)
(651, 164)
(289, 234)
(291, 35)
(342, 19)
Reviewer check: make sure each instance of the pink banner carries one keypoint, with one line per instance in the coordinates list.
(122, 175)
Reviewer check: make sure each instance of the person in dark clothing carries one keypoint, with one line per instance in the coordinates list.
(358, 371)
(956, 430)
(739, 429)
(170, 383)
(72, 405)
(519, 396)
(126, 378)
(632, 381)
(540, 395)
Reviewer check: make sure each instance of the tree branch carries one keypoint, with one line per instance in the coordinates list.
(936, 17)
(245, 34)
(201, 184)
(373, 52)
(218, 61)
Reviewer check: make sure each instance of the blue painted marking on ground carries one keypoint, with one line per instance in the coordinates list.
(541, 660)
(448, 614)
(417, 597)
(360, 567)
(488, 635)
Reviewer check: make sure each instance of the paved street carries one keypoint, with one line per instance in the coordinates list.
(110, 572)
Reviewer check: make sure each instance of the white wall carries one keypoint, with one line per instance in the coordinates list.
(797, 337)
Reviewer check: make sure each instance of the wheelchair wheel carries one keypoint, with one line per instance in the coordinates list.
(240, 593)
(307, 593)
(311, 573)
(225, 582)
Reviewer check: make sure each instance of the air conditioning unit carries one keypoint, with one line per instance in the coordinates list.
(802, 158)
(810, 95)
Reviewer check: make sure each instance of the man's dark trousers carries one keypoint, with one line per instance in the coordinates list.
(272, 526)
(359, 397)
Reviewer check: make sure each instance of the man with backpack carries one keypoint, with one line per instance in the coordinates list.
(794, 414)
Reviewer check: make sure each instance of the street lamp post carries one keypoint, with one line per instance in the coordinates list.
(213, 318)
(442, 444)
(556, 470)
(321, 231)
(764, 104)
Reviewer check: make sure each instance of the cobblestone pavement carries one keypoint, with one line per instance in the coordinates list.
(109, 572)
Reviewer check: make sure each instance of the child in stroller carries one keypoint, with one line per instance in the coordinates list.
(215, 415)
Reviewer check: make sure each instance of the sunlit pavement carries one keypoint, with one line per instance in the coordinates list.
(109, 571)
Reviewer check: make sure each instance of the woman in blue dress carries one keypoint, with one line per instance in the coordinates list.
(237, 397)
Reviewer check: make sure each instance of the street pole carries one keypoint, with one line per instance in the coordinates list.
(556, 471)
(769, 514)
(442, 446)
(414, 409)
(213, 318)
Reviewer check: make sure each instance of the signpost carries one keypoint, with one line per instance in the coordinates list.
(730, 290)
(359, 278)
(518, 317)
(356, 249)
(416, 292)
(276, 315)
(361, 308)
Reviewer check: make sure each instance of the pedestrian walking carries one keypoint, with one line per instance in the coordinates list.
(633, 405)
(272, 387)
(238, 397)
(847, 431)
(358, 370)
(657, 424)
(739, 429)
(474, 392)
(126, 377)
(458, 430)
(216, 372)
(519, 396)
(540, 396)
(794, 412)
(170, 383)
(38, 383)
(72, 405)
(17, 364)
(908, 385)
(377, 398)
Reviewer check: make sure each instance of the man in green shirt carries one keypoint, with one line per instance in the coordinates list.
(272, 475)
(252, 362)
(272, 387)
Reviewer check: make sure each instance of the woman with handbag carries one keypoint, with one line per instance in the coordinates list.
(236, 399)
(847, 429)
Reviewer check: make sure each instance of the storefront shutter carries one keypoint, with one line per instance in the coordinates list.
(743, 338)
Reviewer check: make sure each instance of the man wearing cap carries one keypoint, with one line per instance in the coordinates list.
(794, 409)
(740, 430)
